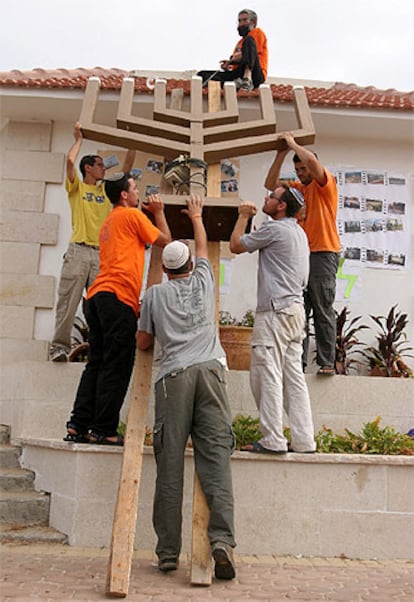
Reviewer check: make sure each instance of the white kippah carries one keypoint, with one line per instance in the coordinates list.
(175, 255)
(297, 194)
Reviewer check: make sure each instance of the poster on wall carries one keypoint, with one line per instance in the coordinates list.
(373, 218)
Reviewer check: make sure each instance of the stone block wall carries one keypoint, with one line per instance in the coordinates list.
(27, 166)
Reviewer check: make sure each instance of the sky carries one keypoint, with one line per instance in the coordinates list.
(364, 42)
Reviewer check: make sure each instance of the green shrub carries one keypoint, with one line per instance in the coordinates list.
(370, 440)
(246, 430)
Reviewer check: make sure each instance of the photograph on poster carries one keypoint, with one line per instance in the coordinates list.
(136, 173)
(375, 178)
(151, 189)
(110, 161)
(375, 255)
(353, 177)
(352, 202)
(229, 168)
(396, 181)
(374, 205)
(352, 253)
(396, 259)
(353, 226)
(154, 166)
(396, 207)
(229, 185)
(373, 225)
(393, 224)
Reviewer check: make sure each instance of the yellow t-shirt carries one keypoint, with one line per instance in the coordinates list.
(90, 207)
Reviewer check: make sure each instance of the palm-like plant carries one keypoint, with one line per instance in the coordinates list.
(346, 341)
(386, 358)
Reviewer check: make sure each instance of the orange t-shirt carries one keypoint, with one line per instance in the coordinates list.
(259, 37)
(122, 241)
(261, 45)
(321, 208)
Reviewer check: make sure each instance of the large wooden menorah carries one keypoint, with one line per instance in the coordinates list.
(208, 136)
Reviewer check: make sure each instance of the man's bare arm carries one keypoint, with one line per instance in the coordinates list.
(307, 157)
(73, 153)
(195, 214)
(155, 206)
(246, 211)
(272, 179)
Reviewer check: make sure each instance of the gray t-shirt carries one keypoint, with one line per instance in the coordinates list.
(180, 313)
(283, 262)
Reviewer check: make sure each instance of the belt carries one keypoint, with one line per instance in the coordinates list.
(84, 244)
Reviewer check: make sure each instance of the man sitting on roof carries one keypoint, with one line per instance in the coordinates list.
(247, 66)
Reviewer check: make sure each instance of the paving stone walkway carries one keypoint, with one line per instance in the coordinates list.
(50, 572)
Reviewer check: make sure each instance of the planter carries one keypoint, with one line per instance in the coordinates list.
(377, 371)
(236, 342)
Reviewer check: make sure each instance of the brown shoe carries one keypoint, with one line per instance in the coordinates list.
(167, 564)
(223, 561)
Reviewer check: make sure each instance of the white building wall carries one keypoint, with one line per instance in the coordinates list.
(365, 139)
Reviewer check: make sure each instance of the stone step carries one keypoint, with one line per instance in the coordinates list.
(30, 534)
(16, 479)
(24, 508)
(4, 434)
(9, 456)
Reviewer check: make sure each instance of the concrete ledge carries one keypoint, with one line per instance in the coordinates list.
(316, 505)
(33, 390)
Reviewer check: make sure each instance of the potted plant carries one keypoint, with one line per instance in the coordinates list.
(235, 338)
(386, 358)
(346, 341)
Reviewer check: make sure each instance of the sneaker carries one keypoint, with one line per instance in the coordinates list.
(246, 84)
(224, 562)
(167, 564)
(238, 83)
(58, 354)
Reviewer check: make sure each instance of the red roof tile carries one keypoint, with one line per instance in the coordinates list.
(339, 95)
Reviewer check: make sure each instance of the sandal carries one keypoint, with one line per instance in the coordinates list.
(326, 371)
(98, 439)
(74, 435)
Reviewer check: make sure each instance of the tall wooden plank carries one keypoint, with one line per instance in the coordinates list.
(126, 510)
(201, 561)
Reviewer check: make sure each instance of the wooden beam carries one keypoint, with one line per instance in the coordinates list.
(201, 561)
(126, 509)
(90, 99)
(251, 145)
(157, 146)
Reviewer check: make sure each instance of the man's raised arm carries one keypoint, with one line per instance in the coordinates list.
(195, 213)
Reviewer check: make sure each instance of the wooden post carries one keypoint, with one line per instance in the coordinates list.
(201, 561)
(126, 510)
